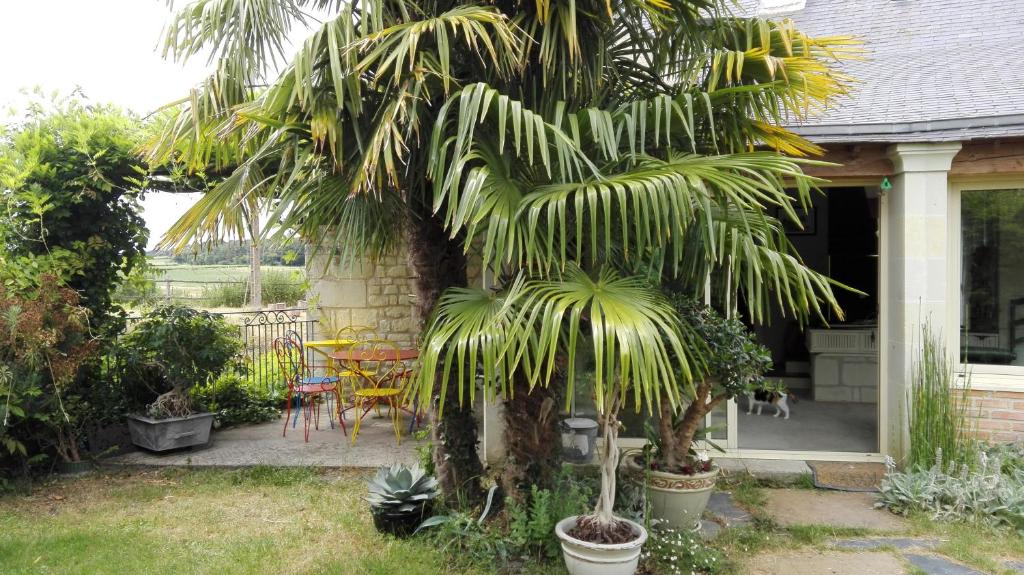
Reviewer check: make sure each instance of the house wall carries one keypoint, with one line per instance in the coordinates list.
(921, 245)
(374, 294)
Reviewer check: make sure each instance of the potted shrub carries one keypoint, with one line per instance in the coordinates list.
(399, 497)
(173, 348)
(679, 479)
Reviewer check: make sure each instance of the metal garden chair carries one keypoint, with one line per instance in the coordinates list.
(304, 388)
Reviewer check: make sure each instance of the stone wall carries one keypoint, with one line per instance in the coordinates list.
(378, 294)
(375, 294)
(998, 416)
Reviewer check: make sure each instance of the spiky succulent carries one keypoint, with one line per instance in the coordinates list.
(400, 489)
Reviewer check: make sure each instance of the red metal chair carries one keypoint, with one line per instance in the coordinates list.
(304, 388)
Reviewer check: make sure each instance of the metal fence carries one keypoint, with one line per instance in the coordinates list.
(257, 330)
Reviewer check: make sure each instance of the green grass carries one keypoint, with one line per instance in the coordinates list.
(302, 521)
(250, 521)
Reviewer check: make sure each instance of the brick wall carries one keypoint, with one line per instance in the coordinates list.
(997, 416)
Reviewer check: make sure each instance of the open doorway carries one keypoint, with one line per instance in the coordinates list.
(830, 368)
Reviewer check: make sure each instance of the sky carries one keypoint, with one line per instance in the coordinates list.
(108, 48)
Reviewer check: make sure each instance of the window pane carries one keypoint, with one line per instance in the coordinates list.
(992, 283)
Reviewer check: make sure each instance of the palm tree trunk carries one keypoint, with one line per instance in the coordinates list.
(440, 264)
(604, 510)
(532, 438)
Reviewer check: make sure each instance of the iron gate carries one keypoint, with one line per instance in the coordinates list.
(258, 331)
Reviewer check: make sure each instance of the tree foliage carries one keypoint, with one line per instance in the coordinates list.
(589, 148)
(70, 183)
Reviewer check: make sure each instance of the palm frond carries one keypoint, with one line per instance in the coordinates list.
(633, 334)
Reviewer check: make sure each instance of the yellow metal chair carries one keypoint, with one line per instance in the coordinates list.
(377, 377)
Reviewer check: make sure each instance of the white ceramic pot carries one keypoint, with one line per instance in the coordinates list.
(585, 558)
(676, 500)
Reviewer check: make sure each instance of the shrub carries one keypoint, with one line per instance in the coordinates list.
(234, 401)
(44, 341)
(729, 362)
(937, 409)
(531, 525)
(174, 348)
(988, 491)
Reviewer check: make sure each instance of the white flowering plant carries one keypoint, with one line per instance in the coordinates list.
(680, 552)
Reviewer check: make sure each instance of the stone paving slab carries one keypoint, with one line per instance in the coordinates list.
(774, 469)
(777, 469)
(935, 565)
(789, 507)
(709, 530)
(880, 542)
(810, 562)
(722, 507)
(263, 444)
(1017, 566)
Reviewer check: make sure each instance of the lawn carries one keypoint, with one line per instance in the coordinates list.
(301, 521)
(252, 521)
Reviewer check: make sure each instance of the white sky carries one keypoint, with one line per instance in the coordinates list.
(109, 49)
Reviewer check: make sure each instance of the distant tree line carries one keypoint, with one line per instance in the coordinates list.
(237, 253)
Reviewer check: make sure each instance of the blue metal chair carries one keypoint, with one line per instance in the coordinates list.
(304, 388)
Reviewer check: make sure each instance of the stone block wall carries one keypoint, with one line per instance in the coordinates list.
(376, 294)
(379, 294)
(845, 377)
(997, 416)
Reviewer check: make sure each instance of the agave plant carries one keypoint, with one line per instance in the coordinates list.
(399, 490)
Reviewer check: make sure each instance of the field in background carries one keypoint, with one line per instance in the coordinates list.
(223, 286)
(175, 272)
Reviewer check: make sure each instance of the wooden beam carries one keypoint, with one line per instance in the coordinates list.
(856, 161)
(989, 158)
(860, 161)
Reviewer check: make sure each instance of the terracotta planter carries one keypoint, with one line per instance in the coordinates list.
(585, 558)
(677, 500)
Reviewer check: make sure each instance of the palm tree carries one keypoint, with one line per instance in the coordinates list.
(582, 149)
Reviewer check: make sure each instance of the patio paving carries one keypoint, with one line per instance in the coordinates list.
(790, 507)
(810, 562)
(263, 445)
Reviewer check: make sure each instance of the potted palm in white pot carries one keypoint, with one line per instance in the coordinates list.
(679, 477)
(634, 336)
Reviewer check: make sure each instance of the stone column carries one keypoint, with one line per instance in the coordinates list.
(915, 278)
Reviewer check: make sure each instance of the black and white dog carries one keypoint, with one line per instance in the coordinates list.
(762, 398)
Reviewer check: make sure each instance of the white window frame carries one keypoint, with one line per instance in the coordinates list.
(982, 376)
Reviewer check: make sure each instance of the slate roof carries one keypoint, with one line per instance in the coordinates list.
(935, 70)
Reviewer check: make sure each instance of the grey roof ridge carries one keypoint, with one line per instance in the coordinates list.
(908, 127)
